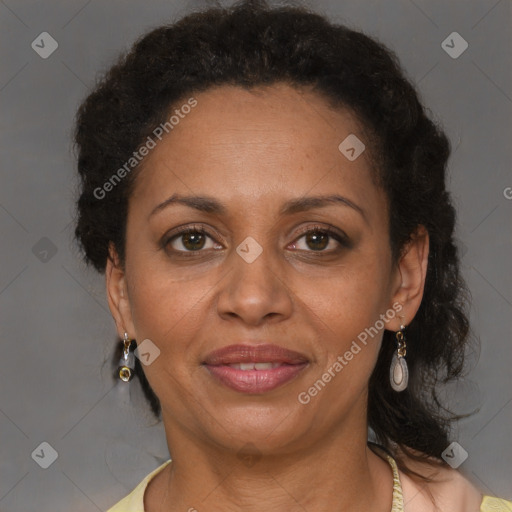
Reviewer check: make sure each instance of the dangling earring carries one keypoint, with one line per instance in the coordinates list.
(399, 372)
(127, 361)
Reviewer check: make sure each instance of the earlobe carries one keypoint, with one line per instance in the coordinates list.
(117, 294)
(412, 269)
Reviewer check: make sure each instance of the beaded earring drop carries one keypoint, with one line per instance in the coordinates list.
(399, 372)
(127, 361)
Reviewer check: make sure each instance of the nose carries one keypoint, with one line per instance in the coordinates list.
(255, 292)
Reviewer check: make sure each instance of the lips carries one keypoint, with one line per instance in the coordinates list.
(254, 368)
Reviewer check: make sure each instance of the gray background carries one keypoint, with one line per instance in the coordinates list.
(55, 326)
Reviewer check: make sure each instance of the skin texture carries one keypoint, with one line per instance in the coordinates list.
(253, 151)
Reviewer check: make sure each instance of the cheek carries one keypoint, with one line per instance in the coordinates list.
(350, 310)
(166, 310)
(171, 314)
(356, 293)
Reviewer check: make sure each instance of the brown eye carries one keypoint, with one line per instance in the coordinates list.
(193, 241)
(317, 240)
(190, 239)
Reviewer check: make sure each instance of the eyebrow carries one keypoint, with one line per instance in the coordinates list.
(213, 206)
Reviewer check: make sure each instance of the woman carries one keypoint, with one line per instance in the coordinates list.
(266, 197)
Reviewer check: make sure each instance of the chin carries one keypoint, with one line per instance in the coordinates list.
(269, 428)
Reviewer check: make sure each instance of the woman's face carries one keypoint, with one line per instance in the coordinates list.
(250, 173)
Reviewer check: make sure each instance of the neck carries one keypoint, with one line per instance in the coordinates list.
(338, 473)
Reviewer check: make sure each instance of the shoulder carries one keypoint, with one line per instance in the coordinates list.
(490, 504)
(447, 491)
(135, 501)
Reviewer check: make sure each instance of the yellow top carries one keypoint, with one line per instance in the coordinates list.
(134, 502)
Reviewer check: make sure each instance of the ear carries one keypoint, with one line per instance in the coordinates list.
(117, 294)
(410, 275)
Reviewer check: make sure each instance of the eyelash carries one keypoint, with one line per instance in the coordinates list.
(332, 233)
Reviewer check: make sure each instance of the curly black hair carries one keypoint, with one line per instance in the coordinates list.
(253, 44)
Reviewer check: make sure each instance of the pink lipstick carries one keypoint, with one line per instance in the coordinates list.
(254, 368)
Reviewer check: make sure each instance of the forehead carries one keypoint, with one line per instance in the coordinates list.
(264, 142)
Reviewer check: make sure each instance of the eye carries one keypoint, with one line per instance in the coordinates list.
(318, 238)
(190, 239)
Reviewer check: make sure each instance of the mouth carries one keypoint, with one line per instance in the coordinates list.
(254, 369)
